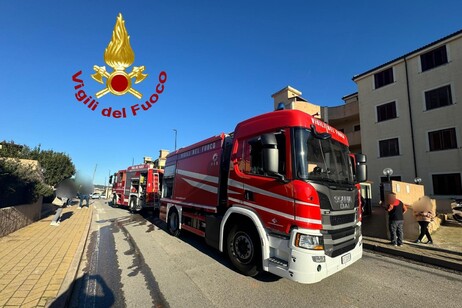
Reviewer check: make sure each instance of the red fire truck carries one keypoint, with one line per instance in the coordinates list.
(118, 187)
(280, 194)
(137, 187)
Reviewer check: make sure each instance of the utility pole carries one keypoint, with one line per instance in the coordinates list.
(94, 172)
(176, 135)
(108, 184)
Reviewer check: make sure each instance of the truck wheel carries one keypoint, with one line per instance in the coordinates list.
(174, 223)
(244, 249)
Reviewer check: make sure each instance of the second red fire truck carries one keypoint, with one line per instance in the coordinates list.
(280, 194)
(137, 187)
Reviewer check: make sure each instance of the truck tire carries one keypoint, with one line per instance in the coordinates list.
(244, 249)
(173, 223)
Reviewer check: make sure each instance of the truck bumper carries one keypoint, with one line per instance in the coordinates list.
(302, 268)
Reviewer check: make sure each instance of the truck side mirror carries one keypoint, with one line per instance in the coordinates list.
(361, 168)
(270, 155)
(110, 179)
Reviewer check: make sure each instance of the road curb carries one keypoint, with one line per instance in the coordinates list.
(64, 294)
(415, 257)
(419, 246)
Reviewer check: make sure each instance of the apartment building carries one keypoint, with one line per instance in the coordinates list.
(411, 117)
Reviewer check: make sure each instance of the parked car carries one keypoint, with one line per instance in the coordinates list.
(95, 196)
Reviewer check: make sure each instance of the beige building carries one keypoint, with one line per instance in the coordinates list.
(160, 162)
(411, 117)
(292, 99)
(344, 117)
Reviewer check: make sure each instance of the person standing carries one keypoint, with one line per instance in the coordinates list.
(424, 215)
(83, 197)
(396, 210)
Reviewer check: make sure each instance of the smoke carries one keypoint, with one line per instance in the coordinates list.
(69, 188)
(84, 184)
(66, 189)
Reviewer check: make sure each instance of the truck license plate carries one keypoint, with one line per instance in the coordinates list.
(346, 258)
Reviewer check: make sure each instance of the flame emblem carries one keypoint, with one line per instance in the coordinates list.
(119, 55)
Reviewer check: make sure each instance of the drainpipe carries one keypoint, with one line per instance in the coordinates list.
(410, 118)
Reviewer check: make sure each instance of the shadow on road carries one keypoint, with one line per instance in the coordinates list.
(65, 216)
(104, 298)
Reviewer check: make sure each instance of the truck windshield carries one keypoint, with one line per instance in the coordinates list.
(321, 160)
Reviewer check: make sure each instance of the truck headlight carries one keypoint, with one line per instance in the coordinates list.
(306, 241)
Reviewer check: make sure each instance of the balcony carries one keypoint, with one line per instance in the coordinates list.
(354, 138)
(344, 112)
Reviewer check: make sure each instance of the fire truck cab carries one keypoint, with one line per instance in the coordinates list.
(118, 187)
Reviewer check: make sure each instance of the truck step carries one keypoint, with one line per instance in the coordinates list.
(278, 261)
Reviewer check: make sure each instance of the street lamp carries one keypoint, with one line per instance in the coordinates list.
(176, 134)
(417, 180)
(388, 173)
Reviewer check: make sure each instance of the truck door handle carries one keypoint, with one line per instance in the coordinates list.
(248, 195)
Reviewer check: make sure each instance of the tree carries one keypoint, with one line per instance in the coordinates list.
(56, 166)
(20, 183)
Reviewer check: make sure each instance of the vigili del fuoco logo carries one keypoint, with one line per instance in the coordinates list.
(119, 56)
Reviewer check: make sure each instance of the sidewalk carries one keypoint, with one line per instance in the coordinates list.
(38, 262)
(447, 251)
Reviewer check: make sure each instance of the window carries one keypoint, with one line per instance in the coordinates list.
(389, 147)
(444, 139)
(434, 58)
(252, 155)
(357, 128)
(383, 78)
(447, 184)
(438, 98)
(386, 112)
(168, 178)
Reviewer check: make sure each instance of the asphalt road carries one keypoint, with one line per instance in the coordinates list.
(132, 262)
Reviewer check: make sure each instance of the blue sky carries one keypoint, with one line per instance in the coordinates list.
(224, 59)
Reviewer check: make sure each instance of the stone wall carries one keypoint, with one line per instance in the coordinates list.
(16, 217)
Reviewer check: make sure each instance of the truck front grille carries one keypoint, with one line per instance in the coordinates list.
(341, 219)
(337, 242)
